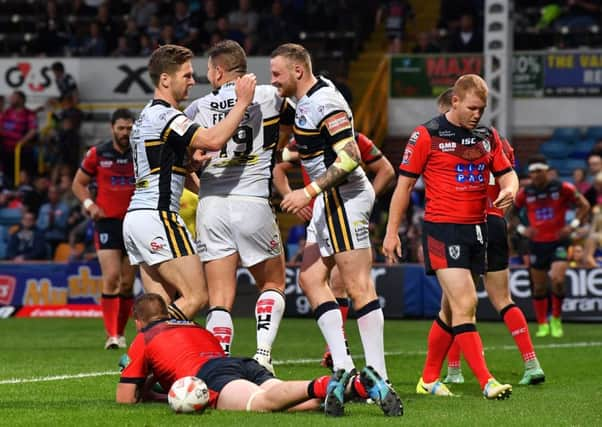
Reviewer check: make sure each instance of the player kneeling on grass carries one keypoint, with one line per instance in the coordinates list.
(165, 350)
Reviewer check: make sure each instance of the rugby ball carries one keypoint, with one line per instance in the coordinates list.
(188, 394)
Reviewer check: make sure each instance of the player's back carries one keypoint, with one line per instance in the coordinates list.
(159, 148)
(243, 166)
(320, 115)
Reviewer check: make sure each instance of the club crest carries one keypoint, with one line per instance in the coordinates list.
(454, 251)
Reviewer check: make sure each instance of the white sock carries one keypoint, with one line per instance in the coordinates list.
(330, 322)
(219, 323)
(370, 323)
(268, 313)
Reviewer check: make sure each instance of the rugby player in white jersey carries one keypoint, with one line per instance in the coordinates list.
(338, 231)
(235, 221)
(162, 138)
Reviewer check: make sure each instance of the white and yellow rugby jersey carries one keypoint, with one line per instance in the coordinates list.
(323, 119)
(244, 166)
(160, 139)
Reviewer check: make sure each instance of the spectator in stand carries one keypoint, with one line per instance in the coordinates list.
(424, 43)
(19, 125)
(167, 35)
(81, 241)
(94, 43)
(209, 22)
(577, 257)
(52, 30)
(27, 242)
(132, 37)
(579, 14)
(594, 165)
(36, 198)
(594, 194)
(53, 218)
(395, 14)
(186, 28)
(146, 45)
(274, 28)
(580, 180)
(142, 11)
(468, 38)
(64, 82)
(244, 19)
(107, 28)
(78, 10)
(153, 31)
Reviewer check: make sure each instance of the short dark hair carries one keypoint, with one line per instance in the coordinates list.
(167, 59)
(122, 113)
(149, 307)
(230, 55)
(537, 158)
(21, 95)
(57, 66)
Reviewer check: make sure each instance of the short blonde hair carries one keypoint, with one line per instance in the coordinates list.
(470, 83)
(295, 53)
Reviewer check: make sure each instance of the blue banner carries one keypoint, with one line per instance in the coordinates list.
(571, 74)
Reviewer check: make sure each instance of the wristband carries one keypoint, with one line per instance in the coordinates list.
(87, 203)
(520, 229)
(312, 190)
(575, 223)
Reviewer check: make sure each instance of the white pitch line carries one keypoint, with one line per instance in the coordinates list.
(292, 362)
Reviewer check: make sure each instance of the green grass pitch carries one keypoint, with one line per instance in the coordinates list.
(41, 359)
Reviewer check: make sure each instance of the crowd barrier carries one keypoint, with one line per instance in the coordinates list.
(74, 289)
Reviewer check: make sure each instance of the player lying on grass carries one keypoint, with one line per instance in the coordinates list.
(165, 350)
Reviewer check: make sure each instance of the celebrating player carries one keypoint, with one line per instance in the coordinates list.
(235, 221)
(373, 162)
(496, 280)
(456, 164)
(110, 164)
(155, 235)
(344, 197)
(547, 201)
(170, 350)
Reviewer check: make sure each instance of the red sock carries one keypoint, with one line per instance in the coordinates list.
(110, 311)
(557, 304)
(359, 387)
(517, 325)
(125, 310)
(438, 342)
(540, 304)
(344, 307)
(317, 387)
(453, 355)
(471, 346)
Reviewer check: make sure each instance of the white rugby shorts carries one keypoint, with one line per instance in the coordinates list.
(243, 224)
(152, 236)
(340, 220)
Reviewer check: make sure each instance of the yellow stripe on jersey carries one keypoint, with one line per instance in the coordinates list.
(155, 170)
(151, 143)
(305, 132)
(183, 235)
(166, 134)
(273, 121)
(194, 135)
(179, 170)
(311, 155)
(171, 236)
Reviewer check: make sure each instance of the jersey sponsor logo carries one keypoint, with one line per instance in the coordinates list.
(469, 141)
(201, 248)
(337, 123)
(470, 173)
(454, 251)
(7, 289)
(407, 154)
(274, 244)
(180, 124)
(361, 229)
(414, 138)
(104, 238)
(157, 244)
(225, 104)
(555, 196)
(447, 146)
(106, 163)
(530, 199)
(446, 133)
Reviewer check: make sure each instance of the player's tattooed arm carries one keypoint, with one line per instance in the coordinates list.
(348, 158)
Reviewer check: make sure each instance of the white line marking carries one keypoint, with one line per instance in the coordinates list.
(293, 362)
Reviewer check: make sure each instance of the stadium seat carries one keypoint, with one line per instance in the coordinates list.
(10, 216)
(582, 148)
(62, 252)
(566, 167)
(3, 241)
(555, 149)
(567, 134)
(594, 132)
